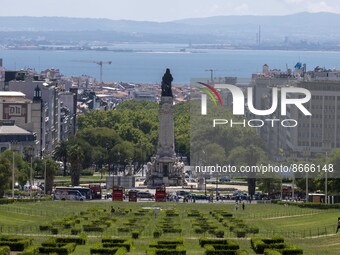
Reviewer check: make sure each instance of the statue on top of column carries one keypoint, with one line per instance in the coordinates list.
(166, 84)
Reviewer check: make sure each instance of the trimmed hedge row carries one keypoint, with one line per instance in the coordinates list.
(310, 205)
(98, 249)
(229, 244)
(15, 244)
(11, 201)
(234, 224)
(117, 243)
(60, 250)
(271, 252)
(277, 244)
(32, 250)
(5, 250)
(167, 247)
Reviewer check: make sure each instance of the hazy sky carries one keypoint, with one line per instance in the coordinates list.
(161, 10)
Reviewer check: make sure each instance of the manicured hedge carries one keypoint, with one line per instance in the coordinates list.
(76, 240)
(179, 251)
(98, 249)
(5, 250)
(292, 251)
(16, 244)
(32, 250)
(271, 252)
(311, 205)
(63, 250)
(203, 241)
(91, 228)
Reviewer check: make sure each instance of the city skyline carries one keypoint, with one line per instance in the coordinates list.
(155, 10)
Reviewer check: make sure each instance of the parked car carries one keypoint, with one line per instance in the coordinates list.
(183, 193)
(143, 194)
(199, 196)
(225, 179)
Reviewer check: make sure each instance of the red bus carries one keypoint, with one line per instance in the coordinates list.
(160, 195)
(118, 193)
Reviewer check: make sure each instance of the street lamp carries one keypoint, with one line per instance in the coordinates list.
(306, 155)
(326, 145)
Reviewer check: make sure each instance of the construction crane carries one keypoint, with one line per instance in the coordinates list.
(100, 63)
(211, 74)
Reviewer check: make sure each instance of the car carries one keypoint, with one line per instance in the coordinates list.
(199, 196)
(225, 179)
(143, 194)
(183, 193)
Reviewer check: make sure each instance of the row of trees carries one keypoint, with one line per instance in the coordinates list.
(115, 139)
(22, 168)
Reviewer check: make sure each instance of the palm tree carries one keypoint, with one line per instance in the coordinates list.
(76, 158)
(61, 154)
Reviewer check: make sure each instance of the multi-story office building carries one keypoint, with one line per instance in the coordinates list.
(313, 134)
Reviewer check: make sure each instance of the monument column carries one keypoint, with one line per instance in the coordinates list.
(166, 141)
(164, 168)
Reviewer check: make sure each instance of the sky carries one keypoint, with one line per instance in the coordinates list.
(161, 10)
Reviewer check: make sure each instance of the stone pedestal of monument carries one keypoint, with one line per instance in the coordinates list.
(165, 168)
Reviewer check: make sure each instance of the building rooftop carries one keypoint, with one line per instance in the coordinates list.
(11, 94)
(13, 130)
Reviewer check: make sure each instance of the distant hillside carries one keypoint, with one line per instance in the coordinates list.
(315, 27)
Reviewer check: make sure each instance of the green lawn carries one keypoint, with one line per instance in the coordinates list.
(310, 229)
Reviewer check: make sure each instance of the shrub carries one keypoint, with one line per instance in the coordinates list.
(32, 250)
(271, 252)
(16, 244)
(87, 172)
(240, 232)
(157, 233)
(63, 250)
(5, 250)
(90, 228)
(45, 227)
(75, 231)
(54, 231)
(98, 249)
(203, 241)
(291, 251)
(135, 234)
(76, 240)
(258, 245)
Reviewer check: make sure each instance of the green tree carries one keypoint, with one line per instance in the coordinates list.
(61, 154)
(248, 156)
(5, 175)
(76, 157)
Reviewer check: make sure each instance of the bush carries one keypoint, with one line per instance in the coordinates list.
(157, 233)
(87, 172)
(98, 249)
(291, 251)
(5, 250)
(63, 250)
(32, 250)
(135, 234)
(54, 231)
(271, 252)
(178, 251)
(45, 227)
(75, 231)
(240, 232)
(90, 228)
(76, 240)
(203, 241)
(258, 245)
(16, 244)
